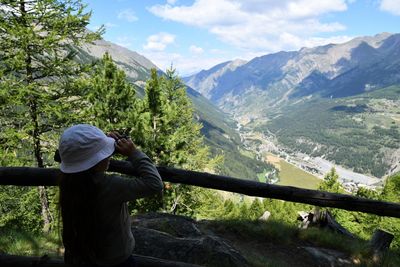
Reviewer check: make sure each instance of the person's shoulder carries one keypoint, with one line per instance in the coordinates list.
(104, 179)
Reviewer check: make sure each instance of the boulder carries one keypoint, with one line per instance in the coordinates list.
(265, 216)
(179, 238)
(328, 257)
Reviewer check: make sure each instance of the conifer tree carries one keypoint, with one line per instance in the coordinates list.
(37, 40)
(172, 137)
(256, 209)
(331, 182)
(110, 98)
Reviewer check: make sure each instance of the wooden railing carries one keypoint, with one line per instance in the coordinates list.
(26, 176)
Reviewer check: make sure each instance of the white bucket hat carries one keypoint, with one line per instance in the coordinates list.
(83, 146)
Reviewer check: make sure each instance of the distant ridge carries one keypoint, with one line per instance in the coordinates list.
(282, 75)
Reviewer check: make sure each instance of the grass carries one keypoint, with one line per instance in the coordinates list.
(293, 176)
(29, 244)
(261, 176)
(266, 237)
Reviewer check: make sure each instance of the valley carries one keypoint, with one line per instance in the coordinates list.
(299, 169)
(314, 108)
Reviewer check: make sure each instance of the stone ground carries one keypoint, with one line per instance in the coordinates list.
(200, 242)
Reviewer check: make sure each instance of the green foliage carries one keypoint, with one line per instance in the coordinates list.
(256, 209)
(363, 224)
(391, 193)
(37, 66)
(169, 134)
(110, 101)
(20, 209)
(331, 182)
(22, 242)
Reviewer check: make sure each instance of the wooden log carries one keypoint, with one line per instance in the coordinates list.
(29, 261)
(24, 176)
(324, 219)
(380, 241)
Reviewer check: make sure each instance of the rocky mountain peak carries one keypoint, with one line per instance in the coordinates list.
(278, 75)
(206, 80)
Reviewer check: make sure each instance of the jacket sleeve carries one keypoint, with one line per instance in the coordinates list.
(147, 183)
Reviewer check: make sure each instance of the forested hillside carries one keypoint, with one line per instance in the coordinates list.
(361, 131)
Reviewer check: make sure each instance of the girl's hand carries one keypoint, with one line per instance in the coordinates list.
(125, 147)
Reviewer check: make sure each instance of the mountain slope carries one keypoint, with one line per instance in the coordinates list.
(206, 80)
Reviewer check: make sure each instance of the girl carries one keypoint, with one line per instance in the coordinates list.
(96, 222)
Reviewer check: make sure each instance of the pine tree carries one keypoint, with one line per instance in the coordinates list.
(256, 209)
(37, 40)
(391, 192)
(110, 99)
(172, 137)
(331, 182)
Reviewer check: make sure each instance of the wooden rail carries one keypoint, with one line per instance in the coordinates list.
(25, 176)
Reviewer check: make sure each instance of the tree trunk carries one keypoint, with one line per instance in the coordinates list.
(325, 220)
(154, 128)
(32, 103)
(46, 213)
(380, 242)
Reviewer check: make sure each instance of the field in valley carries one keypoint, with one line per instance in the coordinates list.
(291, 175)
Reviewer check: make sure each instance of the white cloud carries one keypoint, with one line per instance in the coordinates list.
(159, 41)
(196, 49)
(391, 6)
(128, 15)
(185, 65)
(258, 25)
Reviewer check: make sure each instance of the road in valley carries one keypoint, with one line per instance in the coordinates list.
(315, 165)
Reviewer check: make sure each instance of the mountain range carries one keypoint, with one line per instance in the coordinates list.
(339, 102)
(333, 70)
(303, 97)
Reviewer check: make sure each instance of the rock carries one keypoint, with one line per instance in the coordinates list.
(265, 216)
(306, 218)
(178, 238)
(328, 257)
(178, 226)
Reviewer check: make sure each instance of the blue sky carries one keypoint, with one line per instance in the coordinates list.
(195, 35)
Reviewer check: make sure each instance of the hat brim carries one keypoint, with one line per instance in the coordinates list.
(88, 163)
